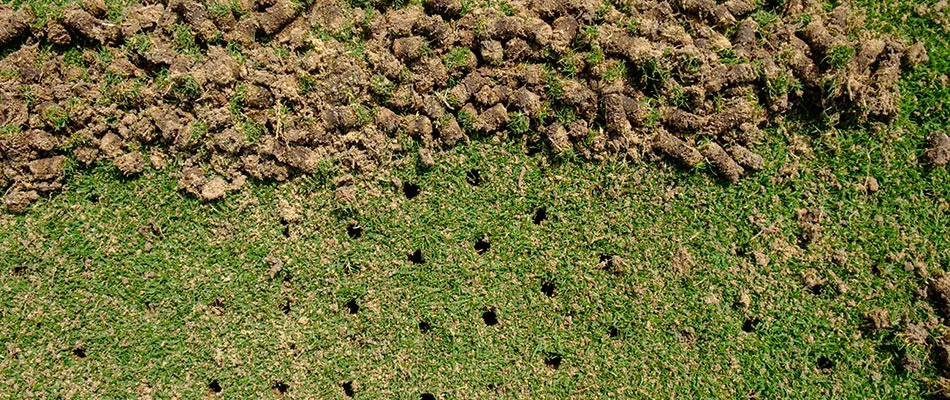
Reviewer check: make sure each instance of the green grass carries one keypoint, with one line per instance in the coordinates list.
(129, 270)
(165, 295)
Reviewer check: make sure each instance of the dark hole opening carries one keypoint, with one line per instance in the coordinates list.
(79, 352)
(19, 270)
(354, 231)
(825, 363)
(416, 257)
(411, 190)
(425, 327)
(353, 307)
(474, 177)
(540, 215)
(281, 387)
(217, 303)
(607, 260)
(481, 246)
(613, 332)
(490, 318)
(286, 229)
(348, 389)
(553, 360)
(286, 307)
(750, 325)
(817, 290)
(427, 396)
(215, 386)
(548, 288)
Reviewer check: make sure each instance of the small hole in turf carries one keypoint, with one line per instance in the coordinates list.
(548, 288)
(353, 307)
(607, 261)
(481, 246)
(348, 389)
(416, 257)
(750, 325)
(424, 327)
(540, 215)
(613, 332)
(79, 352)
(490, 317)
(825, 363)
(553, 360)
(19, 270)
(354, 231)
(215, 386)
(286, 307)
(474, 177)
(281, 387)
(817, 290)
(427, 396)
(286, 230)
(411, 190)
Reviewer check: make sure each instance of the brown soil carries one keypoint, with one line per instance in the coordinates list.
(275, 88)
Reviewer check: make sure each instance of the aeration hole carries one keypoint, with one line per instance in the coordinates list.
(425, 327)
(353, 307)
(474, 177)
(281, 387)
(540, 215)
(490, 317)
(354, 231)
(825, 363)
(79, 352)
(750, 325)
(481, 246)
(411, 190)
(286, 306)
(416, 257)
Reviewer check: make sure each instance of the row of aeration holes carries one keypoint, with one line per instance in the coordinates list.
(281, 387)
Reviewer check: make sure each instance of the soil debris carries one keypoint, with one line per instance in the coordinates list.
(275, 89)
(938, 152)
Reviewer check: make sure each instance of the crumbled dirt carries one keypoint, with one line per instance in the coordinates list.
(879, 319)
(130, 163)
(271, 90)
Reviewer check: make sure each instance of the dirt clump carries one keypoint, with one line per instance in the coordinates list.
(938, 151)
(130, 163)
(879, 319)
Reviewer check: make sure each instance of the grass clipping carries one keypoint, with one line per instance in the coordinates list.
(269, 89)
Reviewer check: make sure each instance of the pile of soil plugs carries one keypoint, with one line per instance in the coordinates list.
(269, 89)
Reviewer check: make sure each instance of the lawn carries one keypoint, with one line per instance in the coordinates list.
(498, 274)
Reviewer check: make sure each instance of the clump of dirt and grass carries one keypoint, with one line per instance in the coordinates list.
(269, 89)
